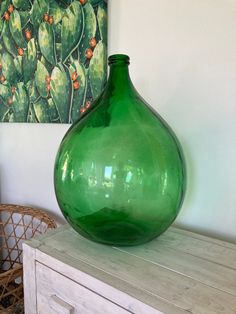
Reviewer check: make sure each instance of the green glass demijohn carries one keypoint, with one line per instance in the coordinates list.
(119, 173)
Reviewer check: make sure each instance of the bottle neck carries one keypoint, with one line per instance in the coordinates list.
(119, 75)
(119, 79)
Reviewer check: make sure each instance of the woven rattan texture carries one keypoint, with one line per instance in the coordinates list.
(17, 223)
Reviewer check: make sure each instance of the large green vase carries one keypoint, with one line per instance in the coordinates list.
(119, 173)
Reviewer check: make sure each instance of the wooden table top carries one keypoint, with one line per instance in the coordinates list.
(178, 272)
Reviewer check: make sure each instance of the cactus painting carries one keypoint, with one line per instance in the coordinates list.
(52, 58)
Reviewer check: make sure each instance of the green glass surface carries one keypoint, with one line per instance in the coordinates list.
(119, 173)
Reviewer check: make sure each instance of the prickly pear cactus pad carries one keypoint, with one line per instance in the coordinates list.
(52, 58)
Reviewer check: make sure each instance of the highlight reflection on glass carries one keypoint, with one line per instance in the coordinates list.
(119, 174)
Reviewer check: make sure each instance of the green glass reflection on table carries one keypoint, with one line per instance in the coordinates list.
(119, 173)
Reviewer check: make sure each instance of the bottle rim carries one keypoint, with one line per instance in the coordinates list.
(118, 59)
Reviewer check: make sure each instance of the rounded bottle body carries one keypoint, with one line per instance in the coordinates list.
(119, 173)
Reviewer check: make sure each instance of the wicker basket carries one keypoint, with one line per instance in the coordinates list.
(17, 223)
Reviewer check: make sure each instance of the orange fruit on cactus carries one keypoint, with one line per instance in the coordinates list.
(88, 53)
(82, 110)
(48, 79)
(88, 104)
(10, 8)
(13, 90)
(6, 16)
(93, 42)
(20, 51)
(10, 101)
(46, 17)
(27, 34)
(76, 85)
(2, 78)
(50, 20)
(74, 76)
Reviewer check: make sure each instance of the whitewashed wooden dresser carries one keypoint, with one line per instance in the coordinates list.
(179, 272)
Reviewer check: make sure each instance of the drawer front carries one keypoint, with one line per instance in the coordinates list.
(57, 294)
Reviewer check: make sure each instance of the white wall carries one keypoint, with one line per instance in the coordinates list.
(183, 62)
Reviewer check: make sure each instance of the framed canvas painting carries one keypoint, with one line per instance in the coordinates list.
(52, 58)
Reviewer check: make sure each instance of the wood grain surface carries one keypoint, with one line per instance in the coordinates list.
(179, 272)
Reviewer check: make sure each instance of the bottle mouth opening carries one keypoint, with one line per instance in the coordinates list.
(118, 59)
